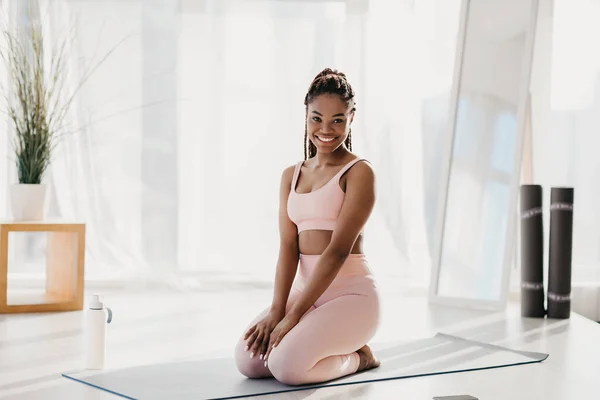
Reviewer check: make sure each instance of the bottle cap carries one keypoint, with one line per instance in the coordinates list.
(96, 303)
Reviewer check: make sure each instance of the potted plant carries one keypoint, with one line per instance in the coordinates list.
(35, 113)
(37, 106)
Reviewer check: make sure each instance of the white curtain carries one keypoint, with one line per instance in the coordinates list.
(566, 120)
(4, 122)
(184, 130)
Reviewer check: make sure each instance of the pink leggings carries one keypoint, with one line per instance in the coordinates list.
(323, 345)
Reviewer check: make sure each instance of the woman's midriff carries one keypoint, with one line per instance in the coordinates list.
(354, 265)
(316, 241)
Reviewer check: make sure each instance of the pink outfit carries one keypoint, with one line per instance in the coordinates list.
(323, 345)
(318, 209)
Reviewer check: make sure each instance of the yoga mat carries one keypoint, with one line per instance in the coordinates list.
(559, 256)
(532, 252)
(220, 379)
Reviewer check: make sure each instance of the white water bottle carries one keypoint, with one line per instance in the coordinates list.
(98, 316)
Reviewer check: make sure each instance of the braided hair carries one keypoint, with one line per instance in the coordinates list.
(328, 81)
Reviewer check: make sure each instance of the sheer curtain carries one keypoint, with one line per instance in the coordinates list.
(181, 135)
(407, 98)
(4, 126)
(566, 121)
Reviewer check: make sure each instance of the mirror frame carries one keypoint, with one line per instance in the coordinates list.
(526, 67)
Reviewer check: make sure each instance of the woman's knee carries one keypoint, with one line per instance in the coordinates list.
(285, 368)
(249, 367)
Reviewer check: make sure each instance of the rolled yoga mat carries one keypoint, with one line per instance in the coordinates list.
(532, 252)
(559, 256)
(220, 379)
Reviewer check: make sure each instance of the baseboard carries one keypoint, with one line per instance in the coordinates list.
(585, 300)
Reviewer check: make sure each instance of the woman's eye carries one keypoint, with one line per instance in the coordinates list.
(336, 121)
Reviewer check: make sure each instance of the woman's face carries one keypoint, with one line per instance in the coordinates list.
(328, 122)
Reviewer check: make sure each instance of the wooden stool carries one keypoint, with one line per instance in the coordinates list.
(65, 256)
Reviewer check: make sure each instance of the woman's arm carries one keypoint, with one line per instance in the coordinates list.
(287, 264)
(258, 335)
(357, 207)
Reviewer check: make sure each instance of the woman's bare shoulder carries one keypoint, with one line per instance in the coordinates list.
(362, 171)
(288, 174)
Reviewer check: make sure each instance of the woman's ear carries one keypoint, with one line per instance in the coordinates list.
(351, 117)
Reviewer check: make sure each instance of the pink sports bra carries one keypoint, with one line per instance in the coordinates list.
(320, 208)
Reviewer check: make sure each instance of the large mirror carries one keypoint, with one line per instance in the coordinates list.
(476, 236)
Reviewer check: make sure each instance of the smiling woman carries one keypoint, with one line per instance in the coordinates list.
(323, 318)
(330, 109)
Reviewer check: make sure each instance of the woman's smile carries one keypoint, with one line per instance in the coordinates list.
(326, 139)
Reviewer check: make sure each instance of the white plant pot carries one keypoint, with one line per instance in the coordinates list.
(28, 201)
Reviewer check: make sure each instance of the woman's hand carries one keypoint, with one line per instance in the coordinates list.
(257, 336)
(282, 329)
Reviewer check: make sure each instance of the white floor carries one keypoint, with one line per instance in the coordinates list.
(166, 326)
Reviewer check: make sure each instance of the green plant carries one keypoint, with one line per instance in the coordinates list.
(37, 104)
(33, 99)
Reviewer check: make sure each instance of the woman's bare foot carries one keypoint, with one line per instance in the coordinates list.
(367, 359)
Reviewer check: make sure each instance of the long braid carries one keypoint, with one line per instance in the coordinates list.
(312, 149)
(328, 81)
(305, 139)
(348, 141)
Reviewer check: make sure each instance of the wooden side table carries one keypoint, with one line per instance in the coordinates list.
(65, 258)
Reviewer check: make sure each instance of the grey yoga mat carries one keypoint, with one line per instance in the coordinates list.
(219, 378)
